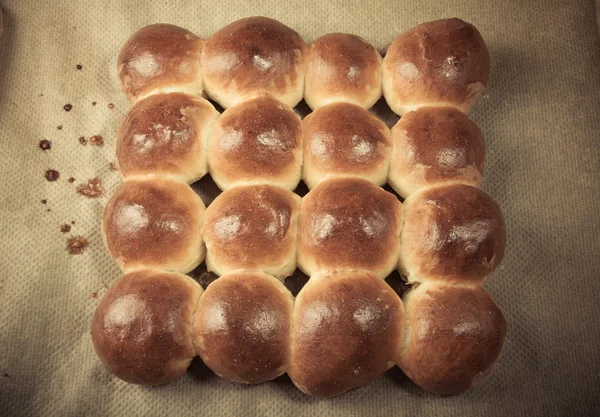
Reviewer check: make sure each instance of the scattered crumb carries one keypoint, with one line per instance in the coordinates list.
(97, 140)
(72, 221)
(83, 140)
(67, 107)
(114, 166)
(59, 127)
(65, 228)
(71, 179)
(93, 103)
(93, 188)
(94, 294)
(77, 245)
(45, 144)
(111, 106)
(79, 67)
(44, 201)
(52, 175)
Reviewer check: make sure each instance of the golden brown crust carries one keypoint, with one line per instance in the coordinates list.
(160, 57)
(349, 223)
(252, 56)
(444, 62)
(252, 227)
(154, 223)
(142, 327)
(165, 134)
(433, 145)
(453, 233)
(258, 140)
(345, 139)
(348, 330)
(456, 335)
(342, 67)
(242, 328)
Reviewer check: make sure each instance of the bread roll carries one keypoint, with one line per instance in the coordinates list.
(252, 227)
(349, 224)
(154, 223)
(453, 233)
(242, 328)
(142, 328)
(348, 330)
(343, 139)
(160, 58)
(252, 56)
(455, 336)
(342, 67)
(440, 63)
(165, 134)
(435, 145)
(259, 140)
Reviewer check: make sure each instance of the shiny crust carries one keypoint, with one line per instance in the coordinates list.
(165, 134)
(444, 62)
(456, 336)
(343, 139)
(253, 228)
(342, 67)
(154, 223)
(242, 328)
(142, 327)
(160, 57)
(435, 145)
(348, 330)
(252, 56)
(349, 223)
(454, 233)
(259, 140)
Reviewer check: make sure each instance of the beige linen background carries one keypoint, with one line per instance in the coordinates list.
(541, 120)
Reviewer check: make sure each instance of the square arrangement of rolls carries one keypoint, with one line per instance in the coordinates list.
(347, 326)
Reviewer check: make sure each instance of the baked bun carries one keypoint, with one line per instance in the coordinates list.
(160, 58)
(348, 330)
(453, 233)
(259, 140)
(342, 67)
(349, 224)
(252, 227)
(242, 327)
(142, 328)
(165, 134)
(440, 63)
(343, 139)
(252, 56)
(455, 336)
(154, 223)
(435, 145)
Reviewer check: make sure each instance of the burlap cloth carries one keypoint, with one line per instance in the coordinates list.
(541, 120)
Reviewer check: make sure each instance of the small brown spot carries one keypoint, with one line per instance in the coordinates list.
(6, 375)
(79, 67)
(111, 106)
(65, 228)
(97, 140)
(59, 127)
(41, 95)
(114, 166)
(73, 222)
(94, 294)
(52, 175)
(71, 179)
(48, 210)
(83, 140)
(77, 245)
(93, 188)
(45, 144)
(68, 107)
(93, 103)
(44, 201)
